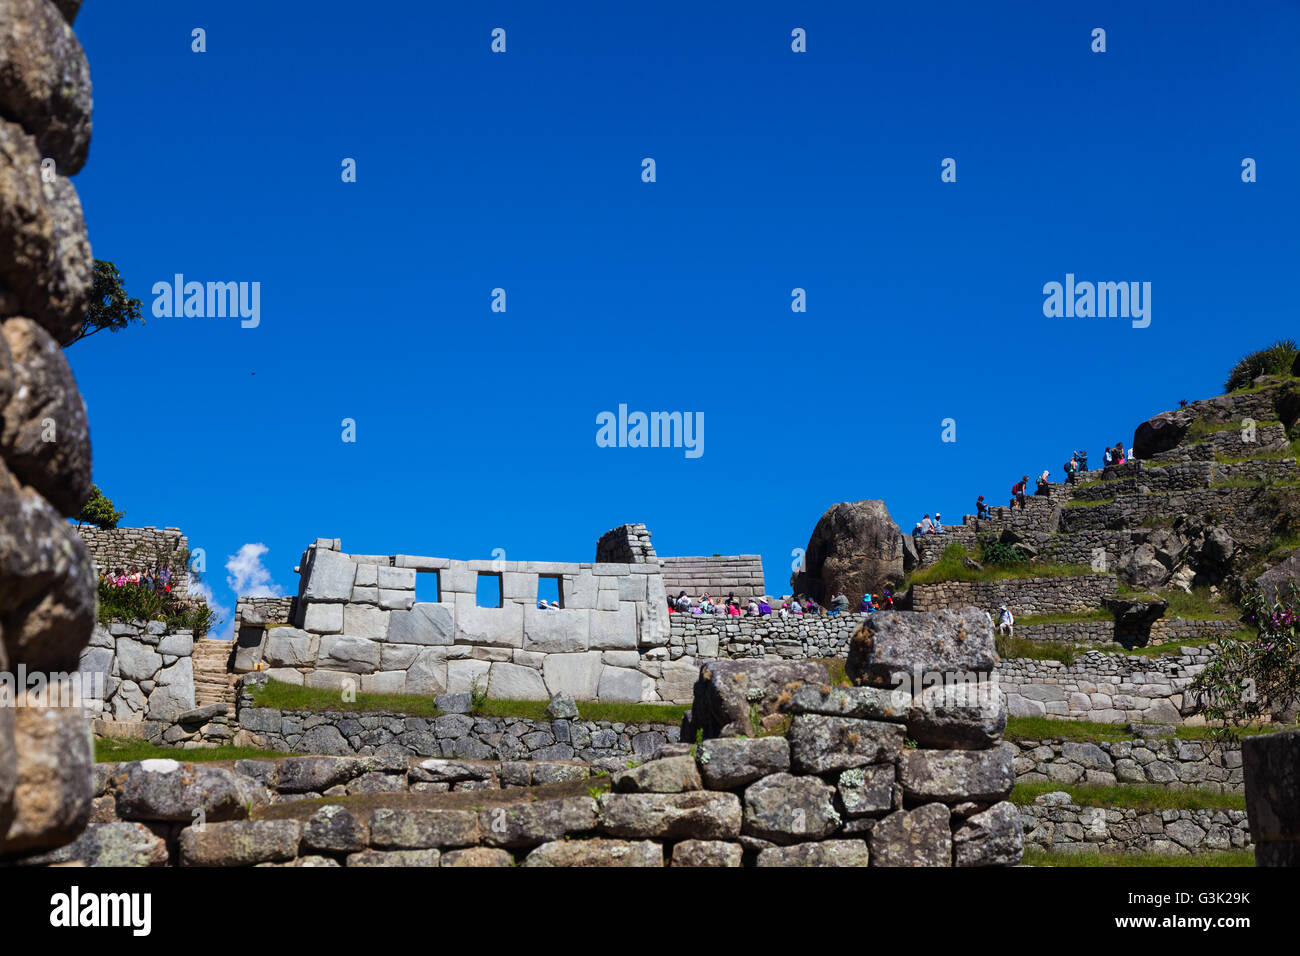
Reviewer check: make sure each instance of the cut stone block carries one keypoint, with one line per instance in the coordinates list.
(556, 631)
(613, 630)
(624, 684)
(508, 681)
(490, 626)
(347, 653)
(397, 579)
(324, 618)
(368, 623)
(577, 675)
(423, 624)
(394, 600)
(329, 577)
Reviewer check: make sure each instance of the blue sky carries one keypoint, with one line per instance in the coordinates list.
(775, 170)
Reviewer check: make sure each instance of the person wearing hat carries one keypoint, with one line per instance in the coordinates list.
(1006, 622)
(938, 524)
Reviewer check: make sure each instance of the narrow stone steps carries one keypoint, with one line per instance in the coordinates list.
(213, 683)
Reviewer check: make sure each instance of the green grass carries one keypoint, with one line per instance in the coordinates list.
(1252, 483)
(1036, 857)
(1012, 647)
(1199, 605)
(949, 567)
(1080, 618)
(1088, 503)
(1131, 796)
(281, 696)
(1280, 455)
(1206, 429)
(1048, 728)
(113, 749)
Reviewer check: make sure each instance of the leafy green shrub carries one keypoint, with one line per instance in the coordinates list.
(1277, 359)
(993, 551)
(99, 510)
(131, 602)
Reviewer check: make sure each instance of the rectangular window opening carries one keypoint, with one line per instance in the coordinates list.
(428, 587)
(488, 589)
(549, 590)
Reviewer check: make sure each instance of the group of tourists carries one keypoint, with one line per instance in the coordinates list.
(153, 579)
(927, 526)
(799, 604)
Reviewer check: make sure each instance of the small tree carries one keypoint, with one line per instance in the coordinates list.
(99, 510)
(1253, 678)
(110, 307)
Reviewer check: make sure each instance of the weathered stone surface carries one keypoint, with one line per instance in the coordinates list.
(323, 618)
(729, 762)
(241, 843)
(577, 675)
(783, 809)
(333, 829)
(728, 689)
(164, 789)
(508, 681)
(315, 774)
(955, 776)
(701, 815)
(855, 549)
(958, 716)
(45, 439)
(822, 744)
(902, 647)
(289, 647)
(45, 258)
(673, 775)
(827, 853)
(707, 853)
(562, 707)
(420, 829)
(870, 703)
(45, 81)
(347, 653)
(1271, 763)
(53, 779)
(623, 684)
(109, 844)
(1280, 578)
(597, 853)
(920, 837)
(1161, 433)
(328, 576)
(428, 624)
(478, 856)
(528, 824)
(406, 858)
(992, 838)
(867, 791)
(47, 586)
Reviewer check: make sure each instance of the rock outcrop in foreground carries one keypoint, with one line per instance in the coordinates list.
(47, 589)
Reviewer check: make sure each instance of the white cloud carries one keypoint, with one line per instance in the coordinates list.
(225, 631)
(248, 576)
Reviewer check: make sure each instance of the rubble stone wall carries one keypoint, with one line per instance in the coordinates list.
(113, 548)
(47, 581)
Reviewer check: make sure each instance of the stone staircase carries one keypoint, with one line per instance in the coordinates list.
(213, 684)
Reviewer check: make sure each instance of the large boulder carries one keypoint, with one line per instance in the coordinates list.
(729, 693)
(906, 648)
(1276, 581)
(855, 549)
(1135, 612)
(1161, 433)
(1271, 765)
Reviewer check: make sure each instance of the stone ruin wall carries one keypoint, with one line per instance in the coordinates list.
(47, 585)
(718, 575)
(356, 620)
(112, 548)
(1051, 595)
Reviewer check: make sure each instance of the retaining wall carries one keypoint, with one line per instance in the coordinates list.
(1068, 828)
(1162, 762)
(1058, 595)
(113, 548)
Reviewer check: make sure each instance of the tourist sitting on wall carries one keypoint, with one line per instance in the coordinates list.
(683, 602)
(868, 606)
(1120, 457)
(785, 609)
(1082, 457)
(886, 601)
(751, 609)
(927, 526)
(938, 524)
(810, 606)
(706, 603)
(733, 610)
(917, 531)
(981, 509)
(1006, 622)
(839, 603)
(1044, 484)
(764, 606)
(1108, 458)
(732, 600)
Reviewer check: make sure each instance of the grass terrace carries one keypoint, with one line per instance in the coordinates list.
(1131, 796)
(1035, 856)
(281, 696)
(113, 749)
(1088, 503)
(950, 567)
